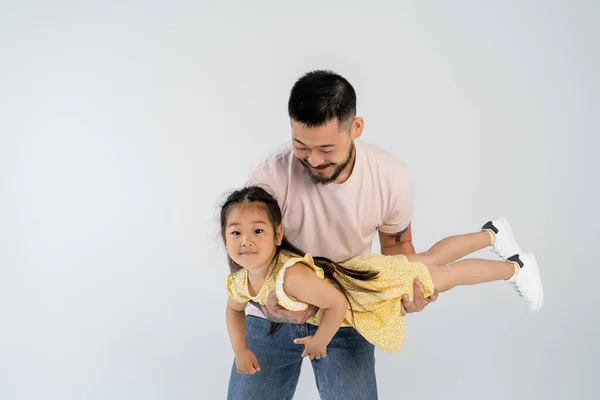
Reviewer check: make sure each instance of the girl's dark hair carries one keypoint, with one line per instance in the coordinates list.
(338, 274)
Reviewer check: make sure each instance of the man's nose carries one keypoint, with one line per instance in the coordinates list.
(315, 160)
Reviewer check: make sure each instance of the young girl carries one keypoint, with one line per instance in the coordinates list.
(364, 292)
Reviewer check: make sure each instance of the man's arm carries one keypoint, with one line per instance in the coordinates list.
(401, 243)
(398, 243)
(276, 313)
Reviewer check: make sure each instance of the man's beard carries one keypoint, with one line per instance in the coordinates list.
(336, 173)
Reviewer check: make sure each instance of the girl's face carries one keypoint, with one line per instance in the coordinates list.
(250, 237)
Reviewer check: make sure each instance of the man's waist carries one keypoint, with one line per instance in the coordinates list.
(254, 311)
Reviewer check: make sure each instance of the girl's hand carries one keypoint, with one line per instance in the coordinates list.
(312, 348)
(246, 363)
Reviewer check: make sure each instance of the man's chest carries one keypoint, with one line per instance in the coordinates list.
(335, 225)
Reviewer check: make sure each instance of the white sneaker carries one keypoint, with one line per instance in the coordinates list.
(527, 281)
(505, 244)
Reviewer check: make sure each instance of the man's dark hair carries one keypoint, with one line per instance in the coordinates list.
(321, 96)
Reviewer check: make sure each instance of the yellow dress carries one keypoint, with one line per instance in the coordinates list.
(377, 318)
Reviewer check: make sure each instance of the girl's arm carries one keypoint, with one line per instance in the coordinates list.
(301, 283)
(235, 318)
(245, 360)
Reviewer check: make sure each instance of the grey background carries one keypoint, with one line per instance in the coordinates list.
(123, 123)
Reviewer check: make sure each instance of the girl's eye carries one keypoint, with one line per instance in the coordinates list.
(235, 233)
(258, 231)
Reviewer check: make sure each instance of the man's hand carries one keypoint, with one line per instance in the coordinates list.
(419, 302)
(276, 313)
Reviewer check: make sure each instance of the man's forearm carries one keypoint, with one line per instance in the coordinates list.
(276, 313)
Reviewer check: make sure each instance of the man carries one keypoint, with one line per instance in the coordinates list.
(335, 193)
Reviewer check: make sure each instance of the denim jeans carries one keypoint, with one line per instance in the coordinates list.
(348, 371)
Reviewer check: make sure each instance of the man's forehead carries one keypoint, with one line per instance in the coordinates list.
(319, 136)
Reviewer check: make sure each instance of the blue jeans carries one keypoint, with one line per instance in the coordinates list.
(348, 371)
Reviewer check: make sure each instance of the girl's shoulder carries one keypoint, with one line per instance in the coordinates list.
(288, 259)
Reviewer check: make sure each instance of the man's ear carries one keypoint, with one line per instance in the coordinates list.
(356, 129)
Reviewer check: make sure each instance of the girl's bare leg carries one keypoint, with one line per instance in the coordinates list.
(453, 248)
(470, 272)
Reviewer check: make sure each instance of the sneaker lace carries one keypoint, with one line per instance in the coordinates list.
(497, 251)
(518, 289)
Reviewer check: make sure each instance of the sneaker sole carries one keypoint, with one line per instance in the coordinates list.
(538, 281)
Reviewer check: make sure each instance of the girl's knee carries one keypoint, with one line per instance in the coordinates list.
(441, 276)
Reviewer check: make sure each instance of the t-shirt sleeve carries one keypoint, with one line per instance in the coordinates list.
(400, 203)
(236, 289)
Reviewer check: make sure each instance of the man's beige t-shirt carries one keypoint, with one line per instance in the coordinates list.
(338, 221)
